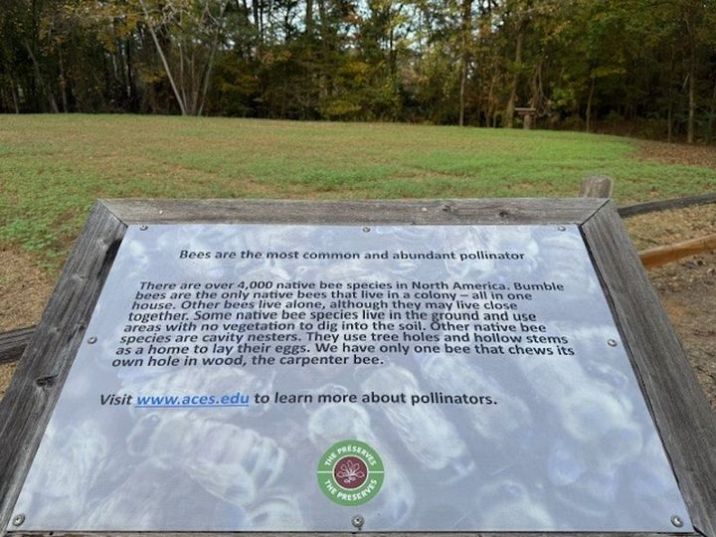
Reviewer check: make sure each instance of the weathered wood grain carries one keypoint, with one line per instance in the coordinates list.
(36, 385)
(679, 407)
(596, 187)
(663, 205)
(486, 211)
(13, 343)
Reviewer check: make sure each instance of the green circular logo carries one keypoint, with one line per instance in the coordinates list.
(350, 472)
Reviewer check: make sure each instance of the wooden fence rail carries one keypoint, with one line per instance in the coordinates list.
(665, 205)
(661, 255)
(12, 343)
(597, 187)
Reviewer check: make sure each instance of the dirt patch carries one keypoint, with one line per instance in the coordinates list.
(24, 289)
(6, 373)
(687, 288)
(688, 155)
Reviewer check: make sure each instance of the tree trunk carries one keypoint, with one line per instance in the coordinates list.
(210, 61)
(670, 107)
(491, 101)
(692, 81)
(588, 126)
(463, 80)
(131, 89)
(465, 57)
(191, 110)
(255, 11)
(14, 92)
(669, 122)
(62, 80)
(259, 14)
(182, 74)
(309, 17)
(510, 109)
(167, 70)
(712, 113)
(41, 81)
(325, 87)
(692, 108)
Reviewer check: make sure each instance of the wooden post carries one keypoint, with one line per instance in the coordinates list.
(596, 187)
(527, 114)
(665, 205)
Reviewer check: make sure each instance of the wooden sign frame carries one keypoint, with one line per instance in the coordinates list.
(682, 415)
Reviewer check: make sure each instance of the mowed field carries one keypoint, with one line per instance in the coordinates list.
(52, 167)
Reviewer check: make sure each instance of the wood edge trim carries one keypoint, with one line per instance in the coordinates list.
(695, 413)
(35, 388)
(127, 209)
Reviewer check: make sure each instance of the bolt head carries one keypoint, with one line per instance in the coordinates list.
(366, 229)
(358, 521)
(144, 227)
(18, 520)
(677, 521)
(92, 340)
(612, 342)
(562, 228)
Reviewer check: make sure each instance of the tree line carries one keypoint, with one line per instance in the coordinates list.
(648, 65)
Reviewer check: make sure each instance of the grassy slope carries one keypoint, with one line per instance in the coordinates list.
(53, 167)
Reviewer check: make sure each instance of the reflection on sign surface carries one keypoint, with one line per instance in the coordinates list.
(427, 378)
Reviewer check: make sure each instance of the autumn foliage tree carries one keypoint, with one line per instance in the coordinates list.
(635, 66)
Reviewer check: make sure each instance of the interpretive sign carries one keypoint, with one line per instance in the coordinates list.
(326, 377)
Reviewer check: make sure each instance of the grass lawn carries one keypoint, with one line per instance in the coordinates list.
(53, 167)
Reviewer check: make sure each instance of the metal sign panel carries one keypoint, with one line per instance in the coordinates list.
(328, 378)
